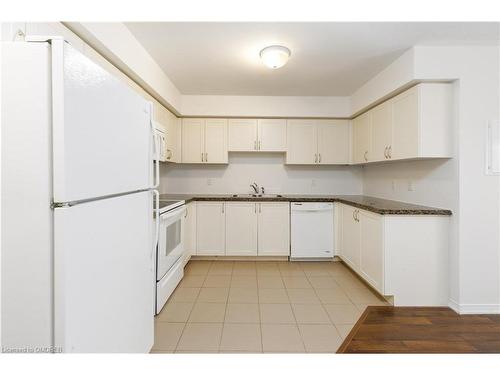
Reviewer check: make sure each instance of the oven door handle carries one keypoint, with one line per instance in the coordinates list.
(172, 216)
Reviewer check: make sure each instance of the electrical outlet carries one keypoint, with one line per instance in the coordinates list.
(209, 181)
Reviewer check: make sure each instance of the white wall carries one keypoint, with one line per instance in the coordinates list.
(473, 195)
(266, 170)
(115, 41)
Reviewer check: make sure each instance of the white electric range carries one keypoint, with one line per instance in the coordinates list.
(170, 251)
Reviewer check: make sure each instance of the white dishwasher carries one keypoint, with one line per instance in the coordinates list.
(311, 230)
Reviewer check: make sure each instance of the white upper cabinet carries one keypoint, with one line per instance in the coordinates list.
(333, 141)
(302, 142)
(242, 135)
(272, 135)
(241, 228)
(381, 131)
(423, 122)
(170, 125)
(204, 141)
(418, 123)
(318, 142)
(362, 138)
(193, 140)
(405, 125)
(216, 141)
(267, 135)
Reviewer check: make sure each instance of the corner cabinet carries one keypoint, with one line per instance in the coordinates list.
(417, 123)
(204, 141)
(400, 256)
(318, 142)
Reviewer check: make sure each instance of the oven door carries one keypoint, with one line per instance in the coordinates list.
(170, 246)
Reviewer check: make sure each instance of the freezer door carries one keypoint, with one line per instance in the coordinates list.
(102, 136)
(103, 275)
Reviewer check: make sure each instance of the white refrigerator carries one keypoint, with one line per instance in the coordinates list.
(78, 197)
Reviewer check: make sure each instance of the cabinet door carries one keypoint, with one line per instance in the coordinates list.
(242, 135)
(241, 228)
(371, 264)
(272, 135)
(362, 138)
(405, 131)
(216, 141)
(333, 141)
(173, 139)
(381, 131)
(192, 140)
(350, 237)
(301, 141)
(189, 230)
(210, 228)
(274, 228)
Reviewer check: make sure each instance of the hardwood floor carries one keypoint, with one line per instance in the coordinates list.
(387, 329)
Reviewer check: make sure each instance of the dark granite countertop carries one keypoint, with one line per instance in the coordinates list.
(377, 205)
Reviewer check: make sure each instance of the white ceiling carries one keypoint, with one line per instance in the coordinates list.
(328, 59)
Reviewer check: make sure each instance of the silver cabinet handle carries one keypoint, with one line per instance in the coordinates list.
(255, 208)
(354, 215)
(222, 207)
(389, 152)
(255, 145)
(366, 153)
(259, 145)
(169, 154)
(202, 157)
(385, 152)
(260, 208)
(186, 213)
(206, 157)
(315, 158)
(319, 158)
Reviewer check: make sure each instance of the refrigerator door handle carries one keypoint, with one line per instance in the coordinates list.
(157, 222)
(156, 177)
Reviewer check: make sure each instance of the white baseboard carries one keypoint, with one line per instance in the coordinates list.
(474, 308)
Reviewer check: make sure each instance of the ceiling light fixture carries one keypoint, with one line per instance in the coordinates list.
(275, 57)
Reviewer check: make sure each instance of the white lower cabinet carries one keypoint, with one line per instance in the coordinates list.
(274, 228)
(241, 228)
(210, 228)
(402, 256)
(189, 230)
(371, 254)
(350, 236)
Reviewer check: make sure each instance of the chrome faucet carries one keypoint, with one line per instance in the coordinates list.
(255, 187)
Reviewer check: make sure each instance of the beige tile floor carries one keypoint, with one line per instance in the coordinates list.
(261, 307)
